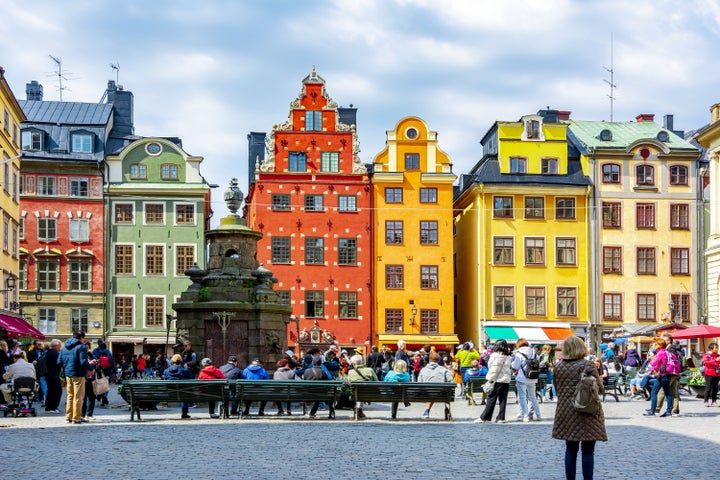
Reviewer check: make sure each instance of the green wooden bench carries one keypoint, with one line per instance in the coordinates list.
(475, 386)
(302, 391)
(615, 386)
(380, 392)
(135, 392)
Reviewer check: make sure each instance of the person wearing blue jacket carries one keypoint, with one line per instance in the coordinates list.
(74, 361)
(176, 371)
(255, 371)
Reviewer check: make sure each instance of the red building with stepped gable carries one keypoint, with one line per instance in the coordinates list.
(310, 196)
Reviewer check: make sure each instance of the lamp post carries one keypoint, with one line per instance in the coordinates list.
(296, 320)
(9, 287)
(168, 319)
(413, 312)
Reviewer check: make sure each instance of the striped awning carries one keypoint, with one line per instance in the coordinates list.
(533, 332)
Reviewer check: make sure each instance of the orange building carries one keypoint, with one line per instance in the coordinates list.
(310, 196)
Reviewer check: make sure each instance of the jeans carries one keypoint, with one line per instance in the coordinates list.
(527, 392)
(588, 459)
(674, 387)
(88, 408)
(658, 383)
(549, 392)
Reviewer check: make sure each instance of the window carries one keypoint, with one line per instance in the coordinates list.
(284, 296)
(314, 250)
(611, 173)
(78, 187)
(280, 202)
(7, 120)
(645, 216)
(393, 232)
(15, 184)
(534, 207)
(154, 214)
(428, 195)
(32, 141)
(124, 213)
(646, 261)
(280, 249)
(22, 283)
(678, 175)
(429, 321)
(612, 306)
(184, 259)
(82, 143)
(611, 215)
(679, 216)
(169, 171)
(646, 307)
(645, 175)
(393, 320)
(22, 184)
(535, 251)
(123, 311)
(532, 129)
(47, 229)
(138, 171)
(393, 195)
(330, 162)
(428, 232)
(79, 230)
(566, 302)
(154, 259)
(412, 161)
(79, 319)
(79, 275)
(504, 300)
(313, 203)
(22, 228)
(347, 203)
(347, 251)
(313, 120)
(297, 162)
(185, 214)
(681, 306)
(680, 261)
(503, 251)
(48, 274)
(518, 165)
(429, 277)
(6, 234)
(46, 186)
(612, 259)
(14, 240)
(124, 259)
(314, 304)
(6, 177)
(394, 276)
(535, 300)
(549, 166)
(47, 320)
(347, 305)
(154, 311)
(565, 251)
(565, 208)
(503, 207)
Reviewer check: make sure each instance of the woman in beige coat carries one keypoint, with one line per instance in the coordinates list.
(578, 429)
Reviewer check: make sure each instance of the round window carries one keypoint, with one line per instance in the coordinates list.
(411, 133)
(153, 148)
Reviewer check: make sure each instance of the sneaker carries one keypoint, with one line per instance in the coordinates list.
(361, 414)
(214, 415)
(648, 414)
(89, 417)
(185, 416)
(537, 419)
(676, 414)
(53, 412)
(480, 420)
(526, 419)
(666, 414)
(426, 414)
(501, 421)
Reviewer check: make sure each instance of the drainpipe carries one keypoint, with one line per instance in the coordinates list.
(594, 240)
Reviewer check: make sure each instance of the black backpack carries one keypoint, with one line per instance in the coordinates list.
(531, 367)
(41, 366)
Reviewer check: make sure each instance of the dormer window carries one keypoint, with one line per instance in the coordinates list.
(532, 129)
(138, 171)
(606, 135)
(645, 175)
(32, 140)
(663, 136)
(81, 142)
(169, 171)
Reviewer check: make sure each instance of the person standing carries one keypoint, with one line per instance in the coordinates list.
(210, 372)
(711, 362)
(34, 356)
(499, 372)
(671, 349)
(402, 353)
(74, 361)
(52, 377)
(190, 360)
(433, 372)
(106, 363)
(526, 387)
(579, 430)
(88, 406)
(176, 371)
(661, 380)
(375, 361)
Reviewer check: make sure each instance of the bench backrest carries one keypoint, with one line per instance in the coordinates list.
(285, 390)
(175, 390)
(403, 392)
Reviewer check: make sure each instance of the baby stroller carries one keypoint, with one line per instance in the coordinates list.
(23, 391)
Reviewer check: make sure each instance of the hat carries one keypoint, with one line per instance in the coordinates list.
(344, 352)
(176, 358)
(256, 361)
(290, 353)
(205, 362)
(360, 350)
(232, 358)
(334, 348)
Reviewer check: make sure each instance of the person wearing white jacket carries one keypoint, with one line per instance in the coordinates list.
(499, 372)
(526, 388)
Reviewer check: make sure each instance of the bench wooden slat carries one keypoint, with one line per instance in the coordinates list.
(137, 391)
(403, 392)
(475, 385)
(303, 391)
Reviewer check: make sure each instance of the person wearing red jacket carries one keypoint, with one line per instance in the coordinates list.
(711, 362)
(210, 372)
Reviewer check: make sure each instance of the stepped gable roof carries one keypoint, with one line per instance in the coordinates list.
(66, 113)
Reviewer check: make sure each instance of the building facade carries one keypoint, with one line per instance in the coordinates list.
(412, 185)
(521, 235)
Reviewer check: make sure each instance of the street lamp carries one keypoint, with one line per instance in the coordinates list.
(413, 312)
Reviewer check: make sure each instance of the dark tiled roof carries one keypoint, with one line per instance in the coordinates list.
(66, 113)
(489, 173)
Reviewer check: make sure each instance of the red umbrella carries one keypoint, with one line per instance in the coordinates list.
(697, 331)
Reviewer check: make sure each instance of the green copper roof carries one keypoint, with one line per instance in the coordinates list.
(623, 134)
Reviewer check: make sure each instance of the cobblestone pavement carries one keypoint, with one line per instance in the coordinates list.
(163, 446)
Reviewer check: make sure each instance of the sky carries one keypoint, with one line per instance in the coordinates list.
(212, 71)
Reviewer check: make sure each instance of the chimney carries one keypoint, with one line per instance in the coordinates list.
(549, 116)
(34, 91)
(645, 117)
(564, 114)
(715, 113)
(123, 105)
(347, 115)
(256, 152)
(668, 122)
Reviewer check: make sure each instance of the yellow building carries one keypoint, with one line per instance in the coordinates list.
(412, 183)
(10, 117)
(521, 236)
(646, 249)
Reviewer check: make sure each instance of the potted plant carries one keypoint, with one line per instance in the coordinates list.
(696, 382)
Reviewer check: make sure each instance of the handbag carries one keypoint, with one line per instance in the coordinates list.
(488, 387)
(101, 385)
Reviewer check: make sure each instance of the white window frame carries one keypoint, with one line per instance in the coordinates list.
(76, 230)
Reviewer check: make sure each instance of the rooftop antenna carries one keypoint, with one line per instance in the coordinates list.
(116, 67)
(611, 82)
(58, 72)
